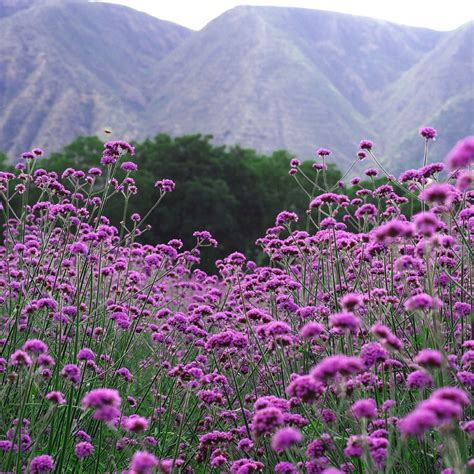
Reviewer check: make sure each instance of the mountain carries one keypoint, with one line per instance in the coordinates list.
(289, 78)
(437, 91)
(261, 77)
(71, 67)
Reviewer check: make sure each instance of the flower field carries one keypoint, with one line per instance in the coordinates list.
(350, 349)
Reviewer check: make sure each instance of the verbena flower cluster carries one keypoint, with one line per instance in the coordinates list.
(349, 349)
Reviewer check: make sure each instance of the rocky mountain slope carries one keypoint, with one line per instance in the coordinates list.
(262, 77)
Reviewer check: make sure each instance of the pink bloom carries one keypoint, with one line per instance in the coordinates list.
(285, 438)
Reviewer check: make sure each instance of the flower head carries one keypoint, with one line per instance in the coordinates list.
(323, 152)
(428, 133)
(462, 154)
(56, 397)
(366, 145)
(285, 438)
(129, 166)
(83, 449)
(143, 462)
(364, 408)
(165, 185)
(41, 464)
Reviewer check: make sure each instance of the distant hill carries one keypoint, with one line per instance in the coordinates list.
(71, 67)
(262, 77)
(437, 91)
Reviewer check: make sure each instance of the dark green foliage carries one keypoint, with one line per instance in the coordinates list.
(83, 153)
(3, 161)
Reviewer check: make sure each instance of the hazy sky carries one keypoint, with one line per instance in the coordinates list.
(435, 14)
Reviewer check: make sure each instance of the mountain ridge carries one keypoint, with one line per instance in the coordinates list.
(52, 88)
(262, 77)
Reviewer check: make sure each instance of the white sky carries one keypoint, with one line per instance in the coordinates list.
(435, 14)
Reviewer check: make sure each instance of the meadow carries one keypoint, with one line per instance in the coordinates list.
(348, 348)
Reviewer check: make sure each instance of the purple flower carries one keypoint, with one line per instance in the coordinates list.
(305, 388)
(85, 354)
(35, 346)
(409, 175)
(151, 440)
(71, 372)
(426, 223)
(371, 172)
(227, 338)
(143, 462)
(266, 420)
(294, 163)
(466, 378)
(328, 198)
(108, 414)
(286, 217)
(136, 424)
(429, 358)
(82, 435)
(129, 166)
(346, 322)
(366, 210)
(41, 464)
(393, 229)
(285, 438)
(246, 466)
(6, 445)
(311, 329)
(373, 353)
(445, 410)
(366, 145)
(428, 133)
(468, 427)
(355, 446)
(83, 449)
(352, 301)
(462, 154)
(464, 181)
(28, 155)
(337, 364)
(453, 394)
(125, 374)
(442, 194)
(285, 467)
(430, 170)
(20, 358)
(118, 147)
(417, 422)
(323, 152)
(95, 171)
(165, 185)
(101, 397)
(421, 301)
(78, 248)
(364, 408)
(56, 397)
(419, 379)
